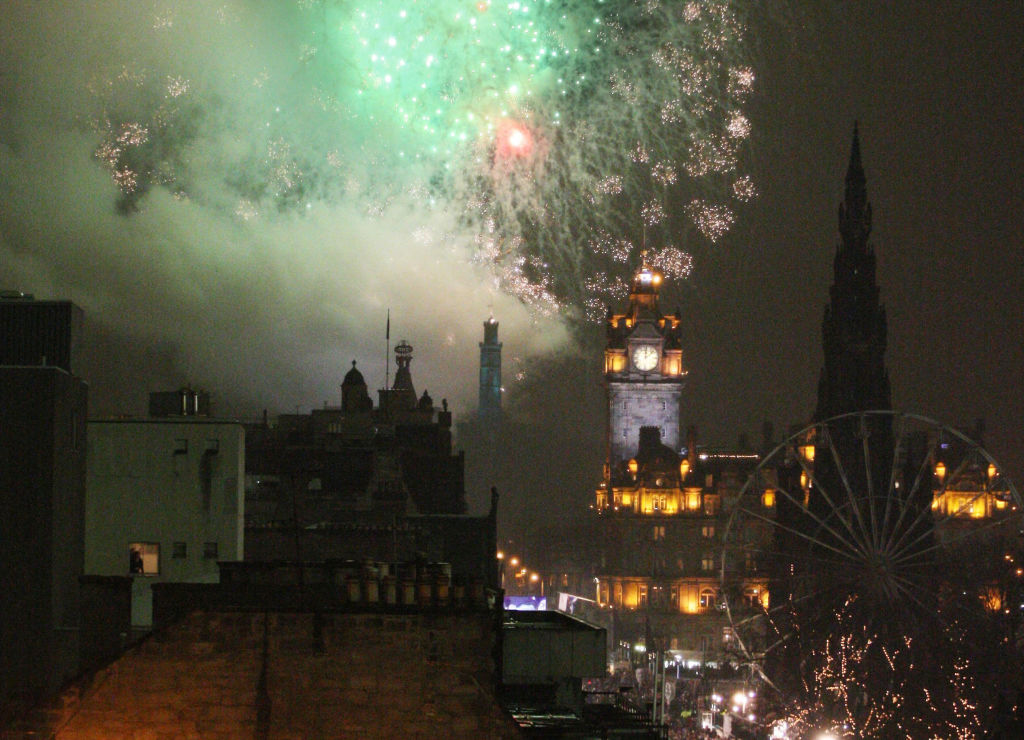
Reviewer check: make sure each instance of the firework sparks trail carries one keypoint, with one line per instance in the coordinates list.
(559, 138)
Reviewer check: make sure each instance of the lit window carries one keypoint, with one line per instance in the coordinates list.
(707, 598)
(707, 561)
(707, 531)
(711, 505)
(179, 550)
(658, 533)
(768, 499)
(643, 596)
(210, 551)
(144, 558)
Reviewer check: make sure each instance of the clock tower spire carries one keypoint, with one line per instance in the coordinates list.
(643, 367)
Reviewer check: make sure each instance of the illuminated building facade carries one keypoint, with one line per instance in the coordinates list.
(643, 366)
(662, 507)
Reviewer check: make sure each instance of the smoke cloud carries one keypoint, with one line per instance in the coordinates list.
(242, 268)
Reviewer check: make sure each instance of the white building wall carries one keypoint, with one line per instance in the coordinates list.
(145, 484)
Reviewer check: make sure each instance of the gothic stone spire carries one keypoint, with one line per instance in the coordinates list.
(854, 376)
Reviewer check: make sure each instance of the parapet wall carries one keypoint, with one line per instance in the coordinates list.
(291, 675)
(331, 586)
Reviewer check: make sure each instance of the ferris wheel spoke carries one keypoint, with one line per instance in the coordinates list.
(956, 614)
(768, 554)
(908, 586)
(850, 543)
(817, 486)
(972, 531)
(910, 496)
(840, 468)
(897, 460)
(889, 550)
(803, 535)
(925, 513)
(870, 479)
(961, 515)
(806, 590)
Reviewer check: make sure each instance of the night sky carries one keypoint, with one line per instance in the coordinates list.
(268, 311)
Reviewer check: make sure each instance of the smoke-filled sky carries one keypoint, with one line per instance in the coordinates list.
(237, 192)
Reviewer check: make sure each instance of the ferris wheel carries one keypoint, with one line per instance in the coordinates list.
(872, 573)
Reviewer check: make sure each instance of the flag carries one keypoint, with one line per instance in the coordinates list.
(387, 330)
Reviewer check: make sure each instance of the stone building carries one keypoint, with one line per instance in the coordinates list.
(363, 481)
(663, 506)
(342, 652)
(164, 496)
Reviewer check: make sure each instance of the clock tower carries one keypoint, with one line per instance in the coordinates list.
(643, 370)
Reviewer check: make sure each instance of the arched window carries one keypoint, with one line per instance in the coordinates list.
(707, 598)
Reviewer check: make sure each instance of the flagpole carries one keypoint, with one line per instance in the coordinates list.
(387, 351)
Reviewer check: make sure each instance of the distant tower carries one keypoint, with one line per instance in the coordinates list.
(489, 408)
(643, 370)
(404, 392)
(854, 376)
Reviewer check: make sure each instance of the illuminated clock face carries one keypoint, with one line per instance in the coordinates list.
(645, 358)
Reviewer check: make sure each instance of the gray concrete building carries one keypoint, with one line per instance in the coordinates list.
(165, 501)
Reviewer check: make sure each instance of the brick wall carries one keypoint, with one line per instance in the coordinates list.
(227, 675)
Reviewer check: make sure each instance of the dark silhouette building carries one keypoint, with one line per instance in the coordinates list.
(892, 535)
(854, 376)
(855, 458)
(356, 481)
(42, 488)
(38, 332)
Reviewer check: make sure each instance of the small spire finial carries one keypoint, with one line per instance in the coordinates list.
(855, 211)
